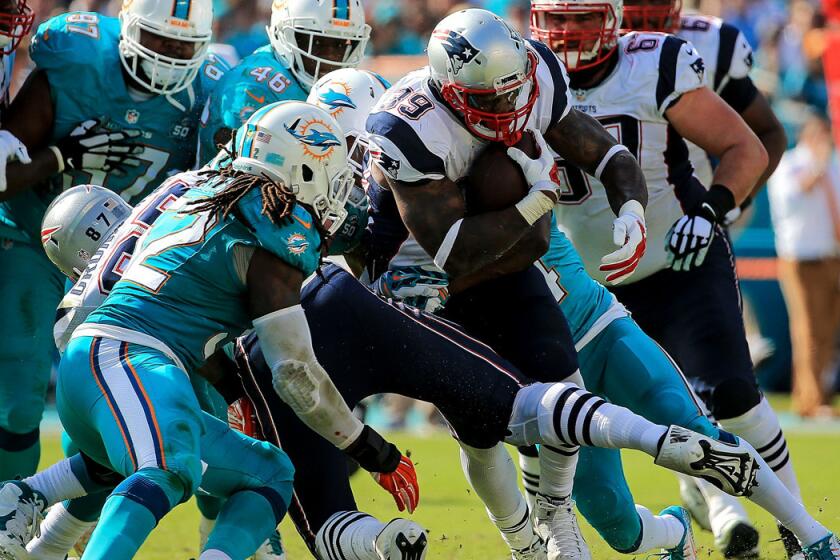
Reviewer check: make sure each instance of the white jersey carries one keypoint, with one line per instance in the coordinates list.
(415, 137)
(651, 72)
(107, 265)
(729, 59)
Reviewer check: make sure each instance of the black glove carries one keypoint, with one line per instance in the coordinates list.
(92, 146)
(691, 236)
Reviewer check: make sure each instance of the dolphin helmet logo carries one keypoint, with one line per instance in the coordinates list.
(457, 47)
(317, 137)
(336, 100)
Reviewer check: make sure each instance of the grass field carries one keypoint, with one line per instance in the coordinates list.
(458, 528)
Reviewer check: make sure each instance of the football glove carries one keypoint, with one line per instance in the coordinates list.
(92, 146)
(11, 149)
(424, 287)
(629, 233)
(540, 172)
(690, 238)
(401, 484)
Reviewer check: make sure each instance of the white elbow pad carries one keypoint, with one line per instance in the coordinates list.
(300, 380)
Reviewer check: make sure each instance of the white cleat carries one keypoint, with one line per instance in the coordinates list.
(557, 524)
(401, 539)
(535, 551)
(694, 501)
(738, 538)
(728, 463)
(21, 512)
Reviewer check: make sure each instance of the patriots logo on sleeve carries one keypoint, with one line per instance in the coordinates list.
(459, 50)
(699, 67)
(388, 164)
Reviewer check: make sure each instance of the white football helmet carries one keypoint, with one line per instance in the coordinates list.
(190, 21)
(578, 48)
(485, 72)
(303, 147)
(349, 95)
(77, 222)
(297, 26)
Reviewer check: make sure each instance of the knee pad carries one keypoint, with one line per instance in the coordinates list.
(11, 441)
(734, 397)
(154, 489)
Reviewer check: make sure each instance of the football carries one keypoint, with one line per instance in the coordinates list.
(495, 181)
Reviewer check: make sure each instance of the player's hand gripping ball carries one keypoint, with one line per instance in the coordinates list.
(401, 484)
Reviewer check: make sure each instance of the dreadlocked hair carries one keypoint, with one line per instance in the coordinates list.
(278, 200)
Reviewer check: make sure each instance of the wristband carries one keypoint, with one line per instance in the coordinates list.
(721, 200)
(534, 206)
(59, 158)
(373, 452)
(614, 151)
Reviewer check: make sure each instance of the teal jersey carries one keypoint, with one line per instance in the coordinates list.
(79, 51)
(582, 299)
(182, 286)
(259, 79)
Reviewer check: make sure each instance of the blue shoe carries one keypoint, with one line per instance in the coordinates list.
(826, 548)
(21, 512)
(272, 549)
(686, 549)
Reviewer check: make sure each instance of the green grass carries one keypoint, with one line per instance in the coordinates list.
(459, 529)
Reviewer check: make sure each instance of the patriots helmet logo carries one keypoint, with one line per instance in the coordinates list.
(317, 137)
(457, 47)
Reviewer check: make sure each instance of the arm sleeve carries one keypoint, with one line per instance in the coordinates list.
(398, 150)
(681, 69)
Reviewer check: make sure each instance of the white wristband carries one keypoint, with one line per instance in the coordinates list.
(534, 206)
(59, 158)
(617, 149)
(445, 248)
(632, 207)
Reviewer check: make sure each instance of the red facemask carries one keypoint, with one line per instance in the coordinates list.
(647, 17)
(505, 126)
(16, 25)
(569, 45)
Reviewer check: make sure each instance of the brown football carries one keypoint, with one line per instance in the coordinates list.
(495, 181)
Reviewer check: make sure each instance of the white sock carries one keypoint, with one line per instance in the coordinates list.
(348, 534)
(214, 554)
(492, 475)
(617, 427)
(760, 427)
(557, 470)
(723, 508)
(773, 496)
(664, 531)
(530, 467)
(57, 483)
(60, 530)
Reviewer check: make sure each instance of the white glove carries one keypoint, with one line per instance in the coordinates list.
(11, 149)
(690, 238)
(629, 233)
(538, 172)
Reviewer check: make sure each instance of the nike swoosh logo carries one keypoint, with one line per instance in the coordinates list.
(255, 98)
(307, 225)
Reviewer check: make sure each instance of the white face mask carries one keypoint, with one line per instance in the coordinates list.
(161, 75)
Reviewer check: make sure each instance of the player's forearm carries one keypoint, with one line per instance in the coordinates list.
(740, 168)
(480, 241)
(774, 141)
(624, 181)
(20, 177)
(532, 246)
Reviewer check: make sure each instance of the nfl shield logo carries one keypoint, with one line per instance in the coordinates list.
(132, 116)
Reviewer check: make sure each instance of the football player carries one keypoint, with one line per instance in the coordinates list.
(148, 427)
(484, 84)
(125, 122)
(696, 273)
(307, 40)
(16, 18)
(728, 58)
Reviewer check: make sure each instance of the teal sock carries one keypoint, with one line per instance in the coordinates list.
(123, 527)
(19, 456)
(246, 520)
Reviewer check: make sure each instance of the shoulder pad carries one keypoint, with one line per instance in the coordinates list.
(73, 38)
(735, 57)
(681, 69)
(557, 80)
